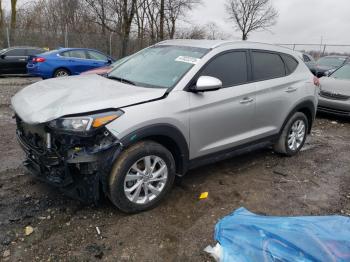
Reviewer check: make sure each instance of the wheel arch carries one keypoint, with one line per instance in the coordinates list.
(168, 136)
(305, 107)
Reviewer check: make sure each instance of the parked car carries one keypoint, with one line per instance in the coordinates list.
(13, 60)
(169, 108)
(310, 63)
(328, 64)
(66, 61)
(105, 69)
(334, 97)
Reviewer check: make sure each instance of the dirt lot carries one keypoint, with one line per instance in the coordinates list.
(316, 182)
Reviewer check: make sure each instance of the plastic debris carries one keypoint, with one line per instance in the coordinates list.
(98, 230)
(204, 195)
(215, 252)
(6, 253)
(244, 236)
(28, 230)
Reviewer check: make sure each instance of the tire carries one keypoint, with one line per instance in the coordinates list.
(61, 72)
(123, 193)
(288, 146)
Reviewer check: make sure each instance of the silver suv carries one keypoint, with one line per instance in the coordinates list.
(162, 111)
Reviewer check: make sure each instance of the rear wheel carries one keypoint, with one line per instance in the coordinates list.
(61, 72)
(293, 135)
(141, 177)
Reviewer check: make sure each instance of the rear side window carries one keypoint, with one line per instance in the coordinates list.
(290, 62)
(230, 68)
(75, 54)
(267, 66)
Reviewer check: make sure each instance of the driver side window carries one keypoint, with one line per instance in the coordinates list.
(230, 68)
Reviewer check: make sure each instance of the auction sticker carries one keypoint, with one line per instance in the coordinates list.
(187, 59)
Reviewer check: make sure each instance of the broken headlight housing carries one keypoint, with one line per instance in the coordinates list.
(85, 123)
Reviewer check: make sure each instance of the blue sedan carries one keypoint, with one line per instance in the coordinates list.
(65, 62)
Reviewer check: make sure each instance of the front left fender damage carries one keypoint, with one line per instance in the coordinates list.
(79, 165)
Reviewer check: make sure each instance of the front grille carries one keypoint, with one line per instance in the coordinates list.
(334, 96)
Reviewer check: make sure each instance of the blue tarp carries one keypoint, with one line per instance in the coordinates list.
(245, 236)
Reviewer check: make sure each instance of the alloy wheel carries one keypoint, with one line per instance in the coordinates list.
(296, 135)
(61, 73)
(146, 179)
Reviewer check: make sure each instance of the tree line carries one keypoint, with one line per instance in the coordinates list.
(148, 21)
(143, 22)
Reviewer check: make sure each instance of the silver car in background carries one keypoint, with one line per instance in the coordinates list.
(167, 109)
(334, 97)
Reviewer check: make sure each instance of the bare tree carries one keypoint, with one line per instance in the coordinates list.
(175, 9)
(161, 18)
(1, 16)
(141, 22)
(128, 12)
(13, 13)
(251, 15)
(99, 10)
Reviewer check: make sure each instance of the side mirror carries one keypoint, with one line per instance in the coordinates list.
(109, 61)
(327, 74)
(2, 56)
(207, 83)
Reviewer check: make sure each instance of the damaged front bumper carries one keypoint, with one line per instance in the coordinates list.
(78, 165)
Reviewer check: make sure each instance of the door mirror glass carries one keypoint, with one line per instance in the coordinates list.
(207, 83)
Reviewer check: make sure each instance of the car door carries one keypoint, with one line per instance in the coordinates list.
(276, 90)
(14, 61)
(76, 61)
(223, 119)
(97, 59)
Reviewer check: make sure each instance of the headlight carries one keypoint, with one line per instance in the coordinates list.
(85, 123)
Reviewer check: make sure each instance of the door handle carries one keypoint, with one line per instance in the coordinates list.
(291, 89)
(22, 59)
(246, 100)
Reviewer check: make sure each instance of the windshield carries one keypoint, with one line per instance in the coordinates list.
(158, 66)
(118, 62)
(342, 73)
(331, 61)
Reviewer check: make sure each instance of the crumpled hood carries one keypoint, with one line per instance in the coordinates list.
(337, 86)
(50, 99)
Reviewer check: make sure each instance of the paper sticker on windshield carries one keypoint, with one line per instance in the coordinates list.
(187, 59)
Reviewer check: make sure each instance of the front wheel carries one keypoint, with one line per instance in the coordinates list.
(141, 177)
(293, 135)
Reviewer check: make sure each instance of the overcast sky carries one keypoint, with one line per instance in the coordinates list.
(299, 21)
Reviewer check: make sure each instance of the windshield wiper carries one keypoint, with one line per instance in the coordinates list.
(122, 80)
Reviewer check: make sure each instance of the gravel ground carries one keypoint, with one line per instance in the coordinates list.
(315, 182)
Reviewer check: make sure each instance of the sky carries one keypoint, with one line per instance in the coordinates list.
(299, 21)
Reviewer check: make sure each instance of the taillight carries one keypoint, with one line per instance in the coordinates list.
(39, 59)
(316, 81)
